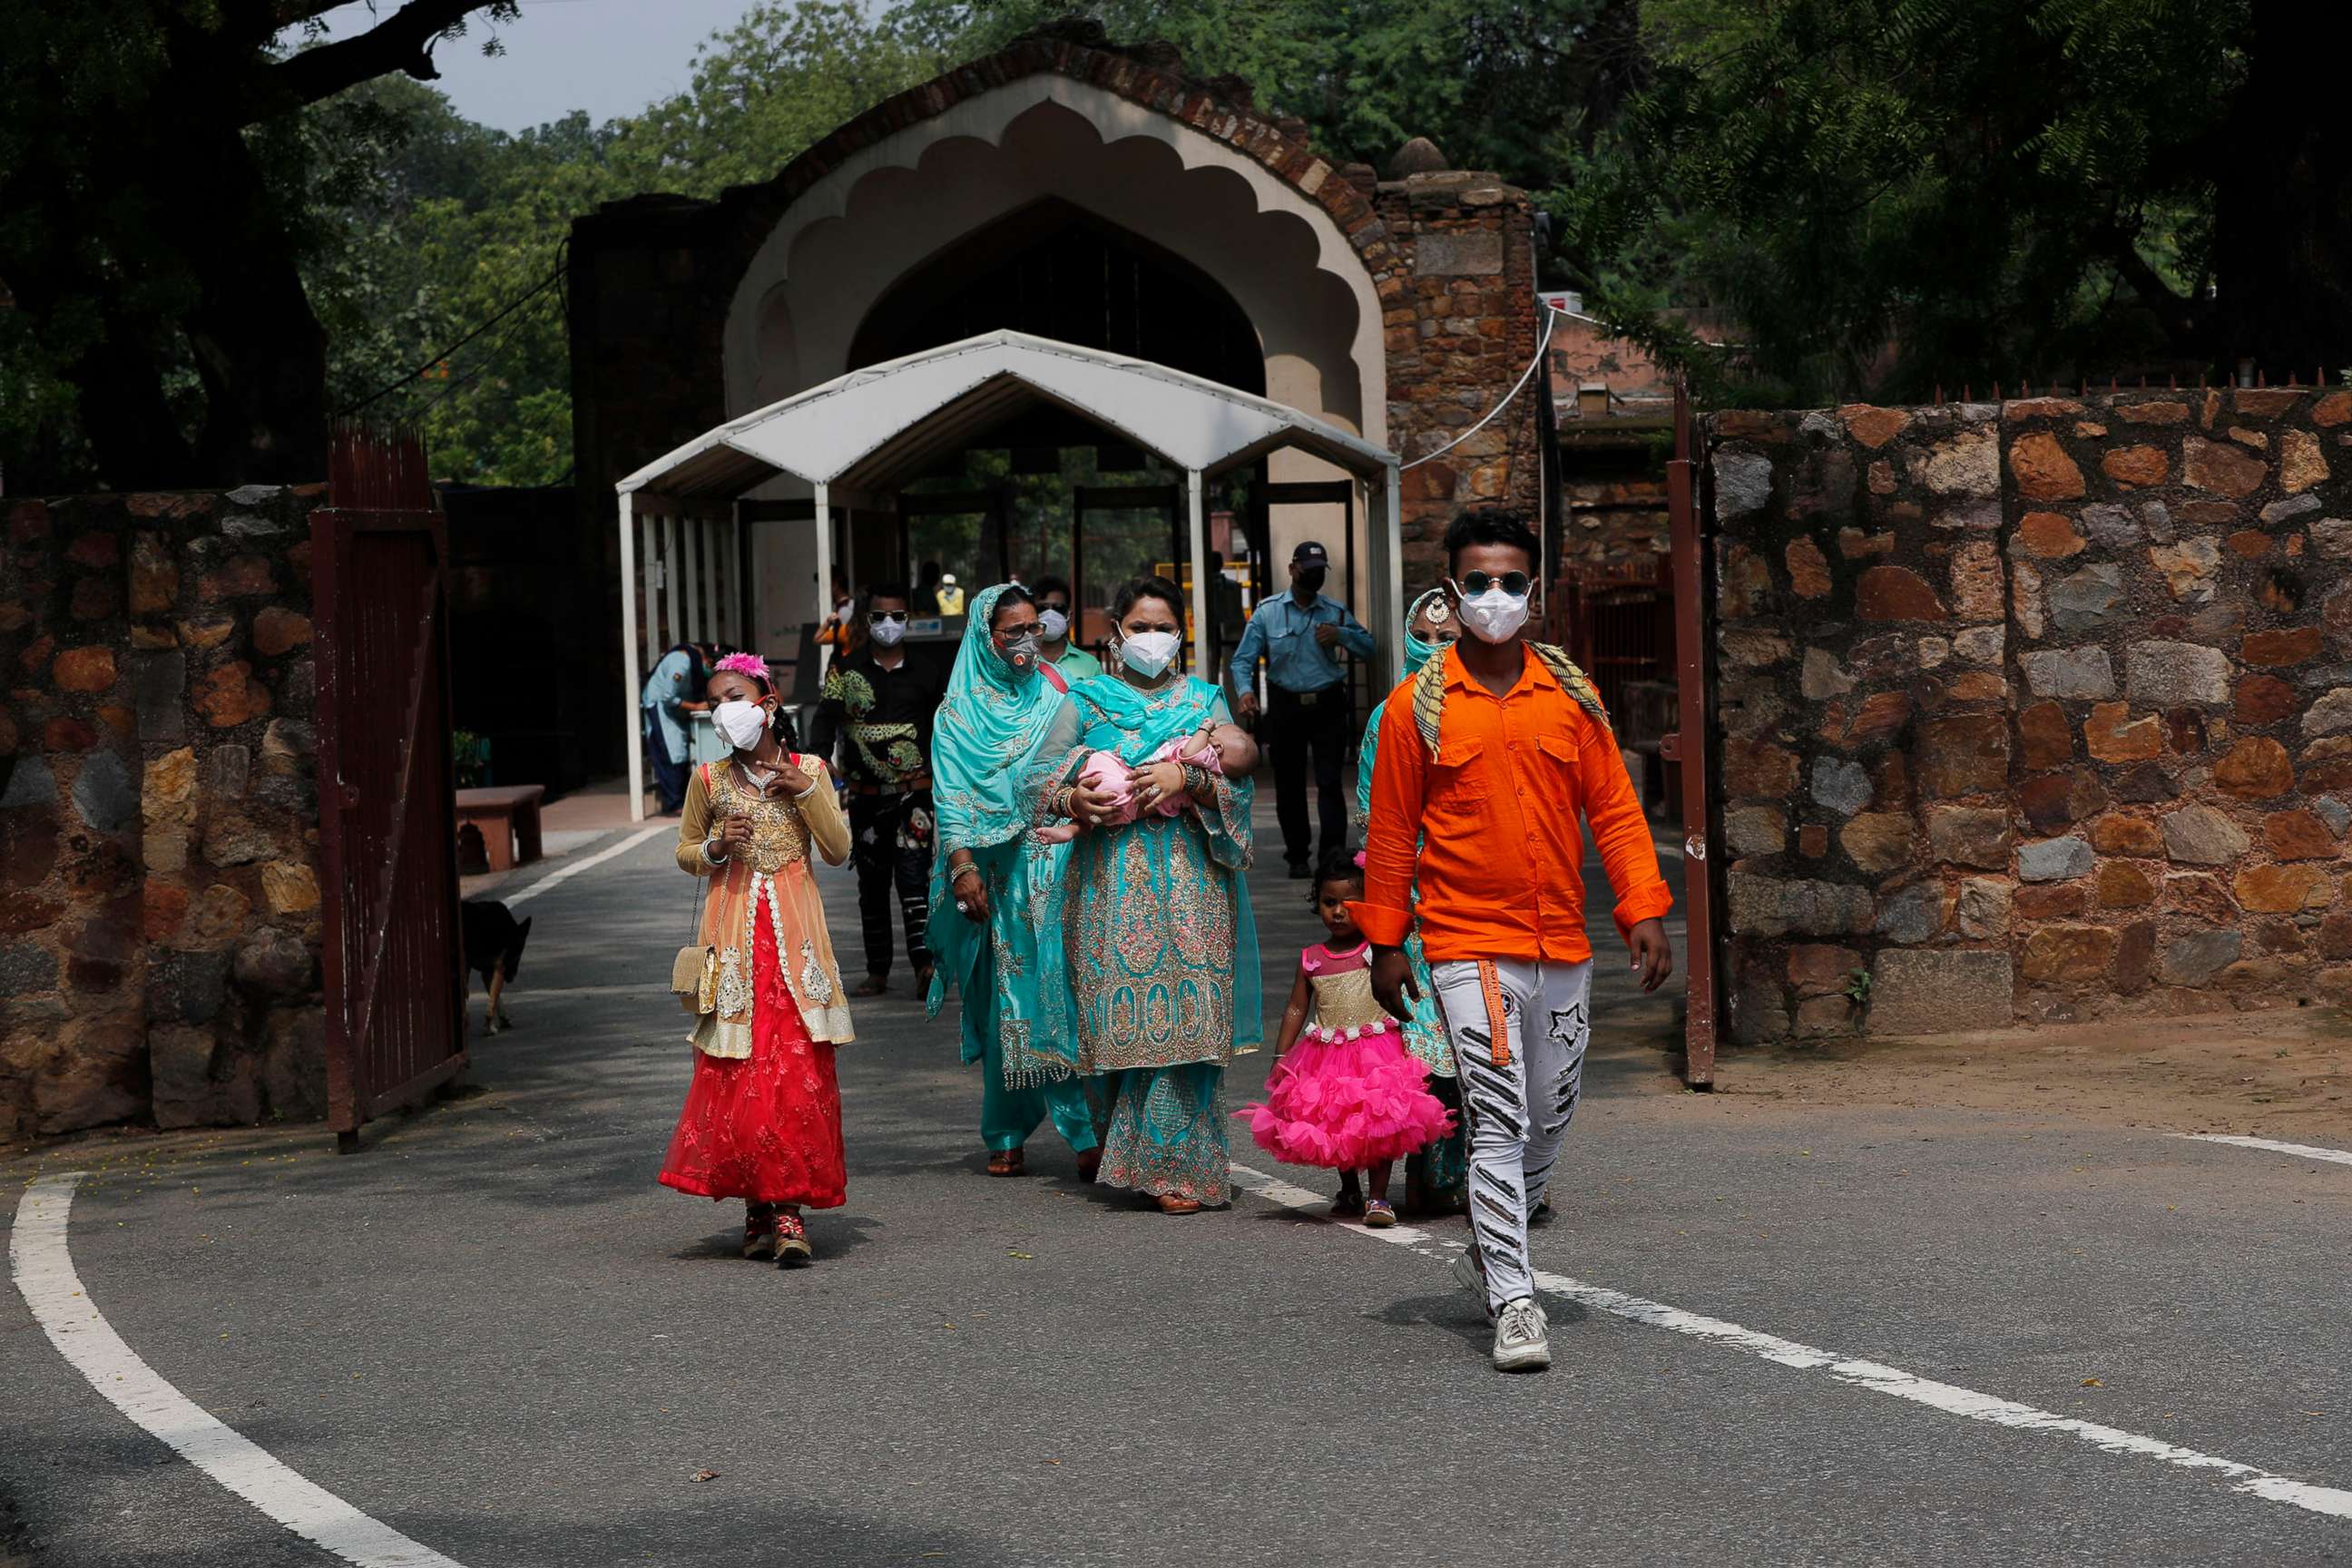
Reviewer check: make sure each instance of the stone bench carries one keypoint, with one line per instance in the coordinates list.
(508, 820)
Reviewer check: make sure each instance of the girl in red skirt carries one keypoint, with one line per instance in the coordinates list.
(763, 1118)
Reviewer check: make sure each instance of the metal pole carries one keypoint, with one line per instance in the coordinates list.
(647, 525)
(1200, 544)
(692, 567)
(632, 676)
(1691, 751)
(1390, 534)
(674, 578)
(824, 520)
(735, 578)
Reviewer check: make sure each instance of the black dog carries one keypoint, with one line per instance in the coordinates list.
(494, 939)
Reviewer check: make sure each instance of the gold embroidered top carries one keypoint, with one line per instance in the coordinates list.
(769, 880)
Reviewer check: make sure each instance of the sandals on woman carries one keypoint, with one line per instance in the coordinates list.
(792, 1247)
(1171, 1204)
(1008, 1162)
(1378, 1215)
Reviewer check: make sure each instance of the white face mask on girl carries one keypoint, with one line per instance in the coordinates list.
(1494, 615)
(1149, 653)
(740, 724)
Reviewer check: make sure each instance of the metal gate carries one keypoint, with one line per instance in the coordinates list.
(388, 811)
(1688, 746)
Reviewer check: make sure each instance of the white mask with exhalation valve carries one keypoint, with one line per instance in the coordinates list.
(740, 724)
(1149, 653)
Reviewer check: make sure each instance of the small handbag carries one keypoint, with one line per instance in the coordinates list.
(694, 973)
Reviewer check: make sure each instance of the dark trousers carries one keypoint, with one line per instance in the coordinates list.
(1294, 727)
(891, 843)
(669, 778)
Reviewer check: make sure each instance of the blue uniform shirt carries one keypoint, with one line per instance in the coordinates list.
(1283, 631)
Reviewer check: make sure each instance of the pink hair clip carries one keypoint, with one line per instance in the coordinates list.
(1359, 859)
(749, 664)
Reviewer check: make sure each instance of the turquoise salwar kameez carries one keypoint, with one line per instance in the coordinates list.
(1441, 1168)
(986, 748)
(1161, 944)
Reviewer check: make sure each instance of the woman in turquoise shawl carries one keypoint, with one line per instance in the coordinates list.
(1433, 1178)
(996, 889)
(1161, 945)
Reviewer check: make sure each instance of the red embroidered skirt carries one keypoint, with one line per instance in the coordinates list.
(765, 1127)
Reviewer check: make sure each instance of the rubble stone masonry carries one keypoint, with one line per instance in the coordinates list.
(159, 922)
(2035, 711)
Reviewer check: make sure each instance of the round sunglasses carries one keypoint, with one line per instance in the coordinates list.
(1474, 584)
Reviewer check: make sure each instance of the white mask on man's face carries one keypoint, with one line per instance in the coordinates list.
(1052, 624)
(1494, 615)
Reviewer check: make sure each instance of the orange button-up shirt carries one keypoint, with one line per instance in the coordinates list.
(1495, 812)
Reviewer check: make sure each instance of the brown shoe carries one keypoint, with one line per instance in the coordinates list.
(1089, 1163)
(872, 985)
(792, 1247)
(758, 1231)
(1008, 1162)
(1171, 1204)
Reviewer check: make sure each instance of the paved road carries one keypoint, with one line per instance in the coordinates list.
(494, 1333)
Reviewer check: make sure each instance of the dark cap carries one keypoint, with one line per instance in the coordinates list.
(1310, 554)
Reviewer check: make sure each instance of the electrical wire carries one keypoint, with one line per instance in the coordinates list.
(509, 309)
(1550, 315)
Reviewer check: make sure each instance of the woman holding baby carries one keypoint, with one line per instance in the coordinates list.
(1161, 948)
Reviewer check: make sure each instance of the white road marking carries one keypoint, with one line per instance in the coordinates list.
(2301, 1151)
(552, 878)
(42, 1266)
(2333, 1501)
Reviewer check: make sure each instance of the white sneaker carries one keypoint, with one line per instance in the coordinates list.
(1467, 1275)
(1519, 1341)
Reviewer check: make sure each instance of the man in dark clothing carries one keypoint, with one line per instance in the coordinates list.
(876, 709)
(1299, 634)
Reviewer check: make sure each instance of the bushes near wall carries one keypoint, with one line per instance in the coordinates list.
(2035, 711)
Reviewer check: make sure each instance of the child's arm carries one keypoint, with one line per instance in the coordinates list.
(1294, 1016)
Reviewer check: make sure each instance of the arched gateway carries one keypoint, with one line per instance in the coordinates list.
(1093, 196)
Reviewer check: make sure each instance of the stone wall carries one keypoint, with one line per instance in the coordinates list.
(1458, 338)
(159, 939)
(2033, 711)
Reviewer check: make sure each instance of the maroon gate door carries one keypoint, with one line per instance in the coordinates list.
(387, 829)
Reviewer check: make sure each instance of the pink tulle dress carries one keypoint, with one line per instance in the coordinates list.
(1347, 1095)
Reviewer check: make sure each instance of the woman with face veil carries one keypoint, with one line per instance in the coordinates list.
(997, 888)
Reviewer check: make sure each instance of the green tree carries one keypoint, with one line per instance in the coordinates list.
(155, 169)
(1887, 194)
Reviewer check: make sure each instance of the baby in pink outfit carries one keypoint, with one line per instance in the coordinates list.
(1206, 749)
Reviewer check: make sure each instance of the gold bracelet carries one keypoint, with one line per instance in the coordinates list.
(961, 872)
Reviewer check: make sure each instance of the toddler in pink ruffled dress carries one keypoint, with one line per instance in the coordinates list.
(1347, 1095)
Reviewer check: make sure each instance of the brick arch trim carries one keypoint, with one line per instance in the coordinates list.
(1133, 77)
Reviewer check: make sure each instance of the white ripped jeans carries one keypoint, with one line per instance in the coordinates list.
(1518, 1087)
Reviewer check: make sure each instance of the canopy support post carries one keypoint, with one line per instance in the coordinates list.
(674, 580)
(1388, 597)
(822, 520)
(632, 678)
(690, 558)
(1200, 542)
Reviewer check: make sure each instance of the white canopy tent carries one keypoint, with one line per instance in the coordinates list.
(856, 438)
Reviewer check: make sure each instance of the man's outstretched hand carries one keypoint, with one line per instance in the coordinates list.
(1653, 956)
(1392, 981)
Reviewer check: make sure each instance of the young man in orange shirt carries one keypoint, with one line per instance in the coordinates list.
(1486, 757)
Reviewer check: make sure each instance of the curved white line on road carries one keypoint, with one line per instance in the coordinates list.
(2334, 1502)
(42, 1266)
(2300, 1151)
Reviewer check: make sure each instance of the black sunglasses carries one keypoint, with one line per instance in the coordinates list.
(886, 615)
(1474, 584)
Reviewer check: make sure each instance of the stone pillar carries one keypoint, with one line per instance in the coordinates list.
(1463, 333)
